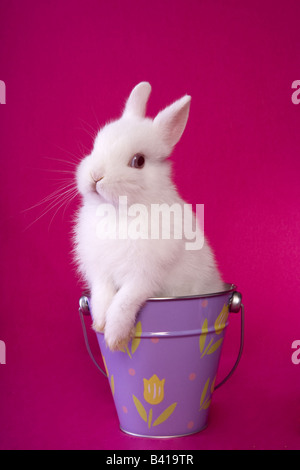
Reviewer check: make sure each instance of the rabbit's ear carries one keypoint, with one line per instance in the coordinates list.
(172, 120)
(137, 101)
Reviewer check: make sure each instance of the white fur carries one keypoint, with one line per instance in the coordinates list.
(123, 273)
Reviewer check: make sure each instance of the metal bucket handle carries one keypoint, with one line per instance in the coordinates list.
(84, 309)
(235, 305)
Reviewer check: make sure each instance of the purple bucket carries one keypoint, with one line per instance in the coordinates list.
(162, 382)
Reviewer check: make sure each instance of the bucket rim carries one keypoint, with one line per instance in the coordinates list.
(227, 289)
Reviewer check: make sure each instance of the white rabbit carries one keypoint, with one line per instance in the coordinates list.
(129, 159)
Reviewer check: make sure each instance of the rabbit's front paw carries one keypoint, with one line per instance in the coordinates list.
(98, 319)
(117, 337)
(100, 301)
(98, 326)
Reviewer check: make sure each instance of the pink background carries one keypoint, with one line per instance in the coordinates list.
(69, 65)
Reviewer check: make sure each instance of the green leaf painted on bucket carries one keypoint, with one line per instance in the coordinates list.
(104, 362)
(212, 387)
(204, 392)
(150, 418)
(203, 335)
(206, 400)
(141, 410)
(136, 340)
(127, 350)
(206, 404)
(207, 348)
(165, 414)
(112, 384)
(215, 346)
(220, 322)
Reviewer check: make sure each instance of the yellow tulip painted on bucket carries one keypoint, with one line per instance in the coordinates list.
(153, 394)
(154, 390)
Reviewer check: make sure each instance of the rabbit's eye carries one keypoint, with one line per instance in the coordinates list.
(137, 161)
